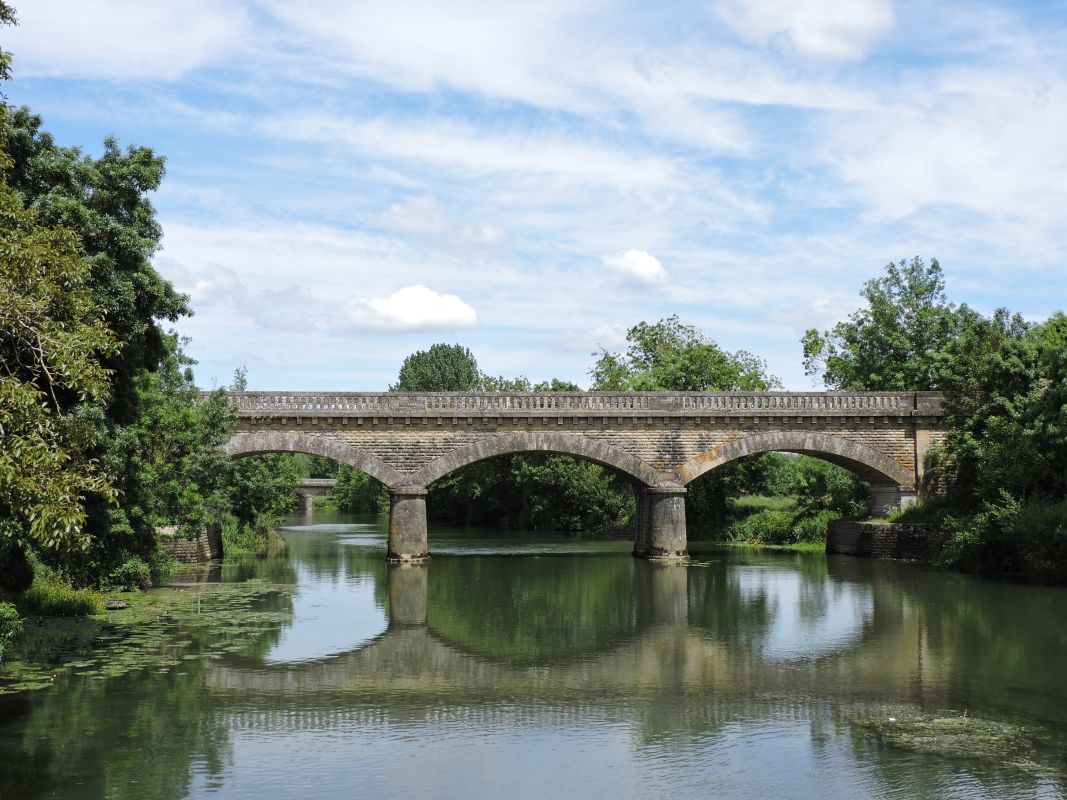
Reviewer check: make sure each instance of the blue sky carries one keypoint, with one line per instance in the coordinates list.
(350, 182)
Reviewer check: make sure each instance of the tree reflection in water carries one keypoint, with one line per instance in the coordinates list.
(741, 655)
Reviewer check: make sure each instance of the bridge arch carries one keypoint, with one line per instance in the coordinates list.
(565, 444)
(864, 461)
(253, 443)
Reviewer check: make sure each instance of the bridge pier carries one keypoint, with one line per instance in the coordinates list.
(307, 503)
(407, 525)
(660, 524)
(887, 499)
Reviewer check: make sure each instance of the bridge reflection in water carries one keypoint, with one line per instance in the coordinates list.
(710, 631)
(577, 670)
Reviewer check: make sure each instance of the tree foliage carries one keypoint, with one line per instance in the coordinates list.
(359, 493)
(999, 479)
(671, 356)
(104, 202)
(1007, 412)
(52, 341)
(442, 368)
(897, 341)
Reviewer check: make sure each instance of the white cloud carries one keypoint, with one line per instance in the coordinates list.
(462, 148)
(976, 141)
(818, 28)
(123, 38)
(502, 50)
(636, 267)
(413, 308)
(426, 217)
(217, 284)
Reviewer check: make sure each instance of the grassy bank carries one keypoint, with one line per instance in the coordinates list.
(260, 537)
(758, 520)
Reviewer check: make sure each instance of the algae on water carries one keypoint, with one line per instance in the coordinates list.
(159, 630)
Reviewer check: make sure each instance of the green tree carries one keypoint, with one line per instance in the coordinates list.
(104, 202)
(999, 478)
(442, 368)
(7, 17)
(358, 493)
(672, 356)
(1007, 411)
(897, 341)
(52, 342)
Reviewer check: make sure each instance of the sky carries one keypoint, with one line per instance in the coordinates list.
(349, 182)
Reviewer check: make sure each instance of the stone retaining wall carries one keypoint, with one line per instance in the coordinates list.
(205, 547)
(889, 540)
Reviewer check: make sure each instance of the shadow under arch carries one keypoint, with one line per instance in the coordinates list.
(566, 444)
(859, 459)
(255, 443)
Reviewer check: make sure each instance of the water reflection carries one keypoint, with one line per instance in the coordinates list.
(586, 674)
(805, 618)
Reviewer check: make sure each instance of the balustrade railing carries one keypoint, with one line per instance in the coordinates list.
(586, 403)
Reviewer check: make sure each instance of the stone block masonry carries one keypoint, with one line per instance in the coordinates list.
(205, 547)
(662, 441)
(882, 540)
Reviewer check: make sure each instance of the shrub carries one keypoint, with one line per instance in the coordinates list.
(259, 538)
(161, 566)
(812, 527)
(768, 527)
(51, 597)
(10, 628)
(781, 527)
(1010, 536)
(133, 573)
(930, 511)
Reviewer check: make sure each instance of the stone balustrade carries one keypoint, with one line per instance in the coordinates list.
(686, 404)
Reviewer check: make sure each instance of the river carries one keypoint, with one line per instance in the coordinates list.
(533, 666)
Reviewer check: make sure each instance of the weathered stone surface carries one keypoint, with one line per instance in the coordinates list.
(407, 525)
(875, 540)
(205, 547)
(657, 439)
(660, 526)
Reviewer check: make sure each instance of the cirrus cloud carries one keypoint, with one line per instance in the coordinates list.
(819, 28)
(413, 308)
(125, 39)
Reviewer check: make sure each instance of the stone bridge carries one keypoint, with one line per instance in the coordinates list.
(661, 441)
(310, 488)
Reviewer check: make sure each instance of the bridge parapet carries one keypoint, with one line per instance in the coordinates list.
(622, 404)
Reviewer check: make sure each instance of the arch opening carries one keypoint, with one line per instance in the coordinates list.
(524, 489)
(579, 447)
(864, 462)
(243, 444)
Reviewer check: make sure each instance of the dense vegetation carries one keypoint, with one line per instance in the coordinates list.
(104, 437)
(999, 480)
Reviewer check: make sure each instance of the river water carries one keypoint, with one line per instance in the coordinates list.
(533, 666)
